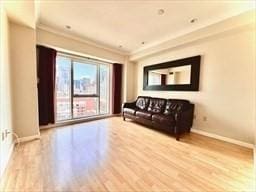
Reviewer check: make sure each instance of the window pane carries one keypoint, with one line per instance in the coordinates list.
(104, 89)
(63, 88)
(85, 106)
(85, 78)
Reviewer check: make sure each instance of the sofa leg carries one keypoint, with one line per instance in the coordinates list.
(123, 118)
(177, 135)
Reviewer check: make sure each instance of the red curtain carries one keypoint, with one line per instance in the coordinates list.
(117, 88)
(46, 63)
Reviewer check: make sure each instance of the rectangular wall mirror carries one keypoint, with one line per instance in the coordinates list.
(178, 75)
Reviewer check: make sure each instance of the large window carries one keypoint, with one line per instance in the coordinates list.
(82, 87)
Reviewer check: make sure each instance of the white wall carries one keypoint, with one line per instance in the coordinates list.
(128, 81)
(254, 150)
(227, 82)
(24, 80)
(5, 92)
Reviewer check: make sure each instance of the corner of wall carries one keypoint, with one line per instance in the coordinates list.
(6, 116)
(129, 80)
(24, 80)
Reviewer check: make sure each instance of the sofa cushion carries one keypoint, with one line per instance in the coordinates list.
(142, 102)
(156, 105)
(164, 119)
(144, 115)
(129, 111)
(175, 106)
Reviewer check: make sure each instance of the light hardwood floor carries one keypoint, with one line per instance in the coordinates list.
(113, 155)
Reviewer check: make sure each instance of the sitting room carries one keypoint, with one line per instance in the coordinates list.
(127, 95)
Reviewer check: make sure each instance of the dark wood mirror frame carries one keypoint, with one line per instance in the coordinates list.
(194, 77)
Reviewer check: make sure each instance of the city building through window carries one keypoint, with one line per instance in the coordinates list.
(82, 87)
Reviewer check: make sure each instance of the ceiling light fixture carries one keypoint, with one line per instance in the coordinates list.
(160, 11)
(143, 42)
(68, 27)
(193, 20)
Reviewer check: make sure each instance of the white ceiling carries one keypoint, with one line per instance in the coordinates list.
(129, 23)
(21, 11)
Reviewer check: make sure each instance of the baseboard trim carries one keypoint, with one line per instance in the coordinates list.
(29, 138)
(9, 155)
(6, 161)
(222, 138)
(254, 161)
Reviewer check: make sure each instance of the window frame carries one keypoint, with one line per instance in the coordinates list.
(80, 59)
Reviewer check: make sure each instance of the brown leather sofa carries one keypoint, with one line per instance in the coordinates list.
(172, 115)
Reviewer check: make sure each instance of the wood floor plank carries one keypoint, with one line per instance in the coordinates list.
(116, 155)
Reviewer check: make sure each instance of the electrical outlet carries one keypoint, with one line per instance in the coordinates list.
(3, 137)
(7, 132)
(204, 118)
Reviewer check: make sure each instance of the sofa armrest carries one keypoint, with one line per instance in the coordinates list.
(129, 105)
(184, 119)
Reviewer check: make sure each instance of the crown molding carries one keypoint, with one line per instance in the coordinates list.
(80, 39)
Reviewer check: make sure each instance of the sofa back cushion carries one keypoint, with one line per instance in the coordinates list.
(142, 102)
(175, 106)
(156, 105)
